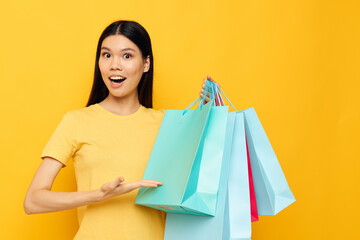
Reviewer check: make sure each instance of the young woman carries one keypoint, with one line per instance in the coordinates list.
(112, 137)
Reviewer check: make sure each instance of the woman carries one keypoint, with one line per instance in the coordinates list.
(113, 135)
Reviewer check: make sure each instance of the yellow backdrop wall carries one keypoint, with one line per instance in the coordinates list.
(296, 62)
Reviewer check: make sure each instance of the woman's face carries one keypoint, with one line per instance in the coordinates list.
(122, 66)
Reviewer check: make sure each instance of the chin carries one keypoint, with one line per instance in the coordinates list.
(115, 94)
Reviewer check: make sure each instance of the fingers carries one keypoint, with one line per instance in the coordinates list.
(116, 182)
(117, 187)
(202, 93)
(128, 187)
(208, 77)
(207, 99)
(110, 186)
(149, 183)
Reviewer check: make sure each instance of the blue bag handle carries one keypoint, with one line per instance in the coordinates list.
(213, 89)
(191, 105)
(217, 90)
(209, 87)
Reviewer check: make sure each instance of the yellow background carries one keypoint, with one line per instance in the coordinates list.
(296, 62)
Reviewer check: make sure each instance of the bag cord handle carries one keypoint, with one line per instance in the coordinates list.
(217, 88)
(215, 97)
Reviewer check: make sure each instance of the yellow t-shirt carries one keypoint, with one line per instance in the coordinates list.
(105, 146)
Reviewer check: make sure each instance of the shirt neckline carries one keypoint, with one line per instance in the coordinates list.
(114, 115)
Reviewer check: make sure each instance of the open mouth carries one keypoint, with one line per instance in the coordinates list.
(117, 79)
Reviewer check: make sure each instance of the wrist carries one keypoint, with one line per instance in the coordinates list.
(97, 196)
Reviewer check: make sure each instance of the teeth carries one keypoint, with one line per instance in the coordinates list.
(117, 78)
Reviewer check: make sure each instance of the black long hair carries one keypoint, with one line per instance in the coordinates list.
(138, 35)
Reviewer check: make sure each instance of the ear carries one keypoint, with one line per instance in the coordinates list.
(146, 64)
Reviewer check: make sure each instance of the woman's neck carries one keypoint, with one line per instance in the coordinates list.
(120, 106)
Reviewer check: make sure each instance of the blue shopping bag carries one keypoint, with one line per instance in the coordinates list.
(233, 216)
(238, 208)
(272, 191)
(187, 158)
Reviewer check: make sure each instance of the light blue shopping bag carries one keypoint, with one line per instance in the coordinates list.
(187, 158)
(271, 188)
(233, 217)
(238, 208)
(272, 191)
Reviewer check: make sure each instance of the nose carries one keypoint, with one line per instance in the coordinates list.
(115, 64)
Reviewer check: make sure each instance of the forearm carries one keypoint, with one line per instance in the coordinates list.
(40, 198)
(43, 200)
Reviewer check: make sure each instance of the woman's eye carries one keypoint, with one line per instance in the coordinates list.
(106, 55)
(126, 55)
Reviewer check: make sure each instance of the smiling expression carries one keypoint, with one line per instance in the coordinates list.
(122, 66)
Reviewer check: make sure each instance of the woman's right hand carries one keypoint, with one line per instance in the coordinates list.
(118, 187)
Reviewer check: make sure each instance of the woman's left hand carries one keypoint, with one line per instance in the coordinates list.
(207, 99)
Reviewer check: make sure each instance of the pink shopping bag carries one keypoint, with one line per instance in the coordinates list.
(253, 206)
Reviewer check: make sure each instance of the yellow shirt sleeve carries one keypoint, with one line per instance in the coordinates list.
(62, 144)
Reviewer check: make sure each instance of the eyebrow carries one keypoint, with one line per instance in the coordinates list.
(122, 50)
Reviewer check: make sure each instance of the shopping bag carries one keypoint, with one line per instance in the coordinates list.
(238, 208)
(233, 218)
(253, 207)
(187, 158)
(254, 212)
(271, 188)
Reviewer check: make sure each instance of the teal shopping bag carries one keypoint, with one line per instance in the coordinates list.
(272, 191)
(187, 158)
(233, 216)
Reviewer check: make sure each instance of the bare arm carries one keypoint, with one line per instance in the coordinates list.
(40, 199)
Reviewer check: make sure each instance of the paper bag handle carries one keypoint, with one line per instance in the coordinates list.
(217, 91)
